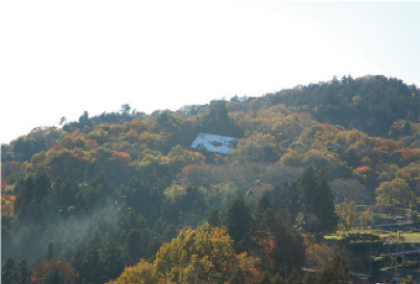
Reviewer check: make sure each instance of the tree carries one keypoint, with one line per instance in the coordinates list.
(8, 272)
(324, 206)
(265, 279)
(346, 212)
(22, 272)
(205, 255)
(77, 264)
(93, 266)
(288, 246)
(49, 255)
(134, 245)
(142, 273)
(63, 120)
(293, 278)
(264, 204)
(366, 218)
(308, 279)
(238, 278)
(125, 109)
(306, 187)
(276, 279)
(213, 218)
(316, 202)
(395, 192)
(238, 221)
(53, 272)
(110, 256)
(336, 272)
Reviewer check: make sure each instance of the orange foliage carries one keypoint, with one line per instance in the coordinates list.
(3, 185)
(122, 157)
(247, 264)
(44, 268)
(7, 204)
(363, 170)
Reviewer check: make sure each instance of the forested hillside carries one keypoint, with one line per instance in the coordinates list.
(82, 202)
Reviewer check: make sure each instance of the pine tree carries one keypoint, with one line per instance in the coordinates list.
(8, 272)
(264, 204)
(308, 279)
(293, 278)
(49, 255)
(316, 202)
(213, 218)
(265, 279)
(238, 278)
(306, 188)
(238, 221)
(23, 272)
(325, 210)
(276, 279)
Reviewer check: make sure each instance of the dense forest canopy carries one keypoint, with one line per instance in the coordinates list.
(81, 202)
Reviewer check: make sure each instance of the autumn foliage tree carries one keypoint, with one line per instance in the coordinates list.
(53, 272)
(204, 255)
(395, 192)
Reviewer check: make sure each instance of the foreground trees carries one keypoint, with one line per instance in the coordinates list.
(205, 255)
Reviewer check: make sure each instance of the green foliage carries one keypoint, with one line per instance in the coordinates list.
(294, 278)
(288, 246)
(213, 218)
(335, 272)
(316, 202)
(346, 212)
(276, 279)
(238, 222)
(394, 193)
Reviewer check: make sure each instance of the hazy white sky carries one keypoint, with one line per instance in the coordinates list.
(60, 58)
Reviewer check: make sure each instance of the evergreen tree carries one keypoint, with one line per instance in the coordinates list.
(276, 279)
(77, 263)
(110, 256)
(325, 210)
(93, 266)
(265, 279)
(49, 255)
(264, 204)
(238, 221)
(288, 246)
(23, 272)
(133, 246)
(293, 278)
(8, 272)
(306, 187)
(316, 202)
(238, 278)
(308, 279)
(213, 218)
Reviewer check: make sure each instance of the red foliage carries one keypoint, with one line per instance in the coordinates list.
(78, 155)
(65, 271)
(3, 185)
(122, 157)
(364, 170)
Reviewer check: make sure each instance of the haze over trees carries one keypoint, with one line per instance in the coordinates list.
(122, 197)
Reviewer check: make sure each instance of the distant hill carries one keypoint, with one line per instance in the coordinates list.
(132, 180)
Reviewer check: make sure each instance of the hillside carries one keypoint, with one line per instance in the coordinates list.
(112, 188)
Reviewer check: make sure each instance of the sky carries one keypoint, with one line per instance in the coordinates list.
(61, 58)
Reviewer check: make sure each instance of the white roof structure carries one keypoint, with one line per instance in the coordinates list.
(215, 143)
